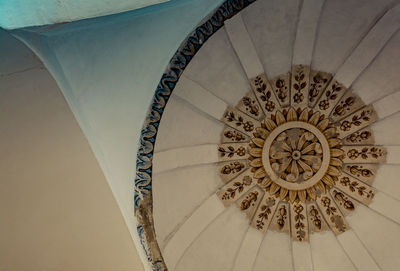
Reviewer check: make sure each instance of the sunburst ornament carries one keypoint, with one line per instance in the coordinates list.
(298, 157)
(296, 154)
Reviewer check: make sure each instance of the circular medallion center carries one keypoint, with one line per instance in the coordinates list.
(296, 155)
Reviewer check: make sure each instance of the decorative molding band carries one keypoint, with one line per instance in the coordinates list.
(143, 201)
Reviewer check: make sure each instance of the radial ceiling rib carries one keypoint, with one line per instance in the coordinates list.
(272, 31)
(387, 180)
(183, 125)
(192, 227)
(246, 256)
(216, 246)
(393, 155)
(232, 265)
(243, 46)
(275, 252)
(200, 98)
(367, 195)
(362, 116)
(306, 31)
(303, 51)
(382, 74)
(356, 63)
(327, 254)
(387, 131)
(185, 157)
(385, 154)
(371, 228)
(171, 214)
(356, 251)
(217, 68)
(342, 26)
(388, 105)
(369, 47)
(302, 259)
(387, 206)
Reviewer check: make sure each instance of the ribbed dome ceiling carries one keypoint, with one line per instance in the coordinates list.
(328, 109)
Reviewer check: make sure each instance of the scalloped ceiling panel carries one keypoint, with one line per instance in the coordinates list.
(277, 149)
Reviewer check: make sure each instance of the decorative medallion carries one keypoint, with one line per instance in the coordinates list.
(296, 155)
(298, 160)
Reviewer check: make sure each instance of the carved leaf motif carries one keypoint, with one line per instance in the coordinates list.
(357, 187)
(282, 214)
(234, 136)
(359, 171)
(238, 186)
(315, 218)
(232, 168)
(239, 121)
(299, 222)
(265, 212)
(318, 82)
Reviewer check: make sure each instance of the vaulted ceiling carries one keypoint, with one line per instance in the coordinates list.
(278, 147)
(19, 13)
(335, 62)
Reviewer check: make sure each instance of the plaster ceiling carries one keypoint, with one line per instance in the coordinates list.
(348, 53)
(19, 13)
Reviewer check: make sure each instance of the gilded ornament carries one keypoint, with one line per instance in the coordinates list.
(297, 155)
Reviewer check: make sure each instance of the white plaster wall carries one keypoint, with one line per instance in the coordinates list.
(57, 210)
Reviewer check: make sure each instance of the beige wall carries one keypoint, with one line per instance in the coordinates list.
(56, 209)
